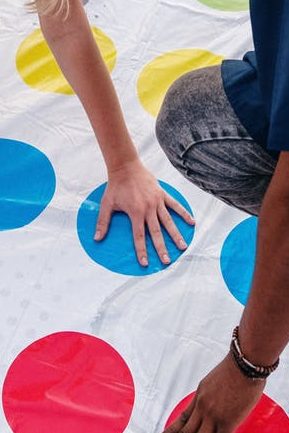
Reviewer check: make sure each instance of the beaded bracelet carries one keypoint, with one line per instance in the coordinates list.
(247, 368)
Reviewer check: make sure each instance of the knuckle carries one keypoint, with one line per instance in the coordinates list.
(101, 223)
(151, 204)
(176, 204)
(184, 213)
(184, 416)
(155, 230)
(209, 409)
(137, 213)
(139, 236)
(167, 219)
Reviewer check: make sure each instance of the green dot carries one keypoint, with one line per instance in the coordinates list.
(227, 5)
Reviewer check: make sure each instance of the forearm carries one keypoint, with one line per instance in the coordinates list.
(264, 328)
(78, 56)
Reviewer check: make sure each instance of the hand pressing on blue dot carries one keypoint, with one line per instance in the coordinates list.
(134, 190)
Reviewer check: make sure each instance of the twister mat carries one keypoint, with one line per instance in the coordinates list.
(89, 341)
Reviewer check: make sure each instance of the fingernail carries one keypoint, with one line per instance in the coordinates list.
(97, 235)
(192, 220)
(166, 258)
(183, 244)
(144, 261)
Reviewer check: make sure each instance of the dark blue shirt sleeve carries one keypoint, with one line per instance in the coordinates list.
(270, 24)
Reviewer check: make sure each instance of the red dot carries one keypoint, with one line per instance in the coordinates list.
(68, 382)
(267, 417)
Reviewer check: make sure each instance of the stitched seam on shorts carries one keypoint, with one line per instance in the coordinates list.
(207, 140)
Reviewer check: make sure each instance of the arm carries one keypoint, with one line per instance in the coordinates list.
(131, 188)
(265, 336)
(264, 328)
(79, 58)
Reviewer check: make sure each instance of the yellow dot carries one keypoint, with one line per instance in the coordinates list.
(39, 70)
(158, 75)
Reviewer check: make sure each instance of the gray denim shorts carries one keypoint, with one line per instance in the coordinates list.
(203, 138)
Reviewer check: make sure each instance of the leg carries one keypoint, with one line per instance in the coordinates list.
(203, 138)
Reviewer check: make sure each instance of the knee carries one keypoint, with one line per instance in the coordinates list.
(170, 123)
(170, 111)
(185, 107)
(164, 122)
(162, 128)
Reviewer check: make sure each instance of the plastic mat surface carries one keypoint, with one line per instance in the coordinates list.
(89, 341)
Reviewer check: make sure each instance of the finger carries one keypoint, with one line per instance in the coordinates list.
(103, 221)
(176, 426)
(158, 239)
(171, 228)
(194, 424)
(206, 427)
(179, 209)
(138, 229)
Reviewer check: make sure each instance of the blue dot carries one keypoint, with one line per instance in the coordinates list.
(238, 258)
(27, 183)
(116, 252)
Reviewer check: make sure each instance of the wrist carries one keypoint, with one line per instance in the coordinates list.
(246, 366)
(256, 346)
(123, 167)
(239, 377)
(119, 154)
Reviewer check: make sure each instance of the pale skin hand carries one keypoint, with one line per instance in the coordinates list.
(131, 188)
(135, 191)
(225, 397)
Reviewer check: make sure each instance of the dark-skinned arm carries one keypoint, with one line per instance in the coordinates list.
(264, 327)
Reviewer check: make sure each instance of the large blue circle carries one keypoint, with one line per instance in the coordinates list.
(116, 252)
(238, 258)
(27, 183)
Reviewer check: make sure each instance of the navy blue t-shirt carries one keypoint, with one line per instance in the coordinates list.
(258, 85)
